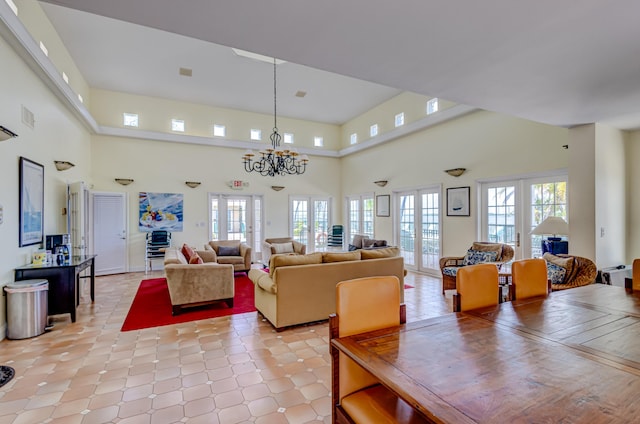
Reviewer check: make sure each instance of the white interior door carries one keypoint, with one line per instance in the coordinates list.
(109, 217)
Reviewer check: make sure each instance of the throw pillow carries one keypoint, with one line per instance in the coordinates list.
(228, 251)
(352, 248)
(385, 252)
(367, 243)
(282, 247)
(358, 241)
(477, 257)
(341, 256)
(488, 247)
(564, 262)
(187, 251)
(555, 273)
(380, 243)
(195, 259)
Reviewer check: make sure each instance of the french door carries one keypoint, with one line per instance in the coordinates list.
(512, 208)
(309, 218)
(360, 212)
(235, 217)
(418, 228)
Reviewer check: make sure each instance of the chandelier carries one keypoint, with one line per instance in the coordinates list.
(275, 161)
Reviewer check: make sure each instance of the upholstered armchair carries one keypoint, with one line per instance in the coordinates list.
(231, 252)
(578, 271)
(479, 252)
(272, 246)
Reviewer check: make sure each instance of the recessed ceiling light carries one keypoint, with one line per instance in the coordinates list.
(257, 56)
(186, 72)
(301, 93)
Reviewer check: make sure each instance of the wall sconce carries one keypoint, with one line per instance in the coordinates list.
(277, 188)
(455, 172)
(63, 165)
(381, 183)
(6, 133)
(193, 184)
(124, 181)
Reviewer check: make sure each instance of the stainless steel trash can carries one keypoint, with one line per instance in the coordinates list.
(27, 308)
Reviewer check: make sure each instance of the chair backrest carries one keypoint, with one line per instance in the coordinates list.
(364, 304)
(477, 287)
(529, 278)
(336, 230)
(635, 275)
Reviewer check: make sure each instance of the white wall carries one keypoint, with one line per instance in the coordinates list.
(489, 145)
(611, 188)
(164, 167)
(632, 227)
(56, 136)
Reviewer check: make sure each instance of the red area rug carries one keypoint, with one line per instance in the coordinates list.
(407, 286)
(152, 305)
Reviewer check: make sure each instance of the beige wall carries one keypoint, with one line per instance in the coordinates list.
(632, 227)
(57, 136)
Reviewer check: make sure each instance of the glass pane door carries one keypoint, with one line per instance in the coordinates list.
(320, 221)
(237, 218)
(407, 222)
(430, 240)
(300, 220)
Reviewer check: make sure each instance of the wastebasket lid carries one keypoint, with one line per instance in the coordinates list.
(26, 283)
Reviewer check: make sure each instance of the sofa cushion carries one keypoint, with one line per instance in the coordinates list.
(228, 250)
(282, 247)
(451, 271)
(358, 241)
(290, 260)
(188, 252)
(341, 256)
(233, 260)
(195, 259)
(489, 247)
(555, 273)
(564, 262)
(207, 255)
(474, 257)
(385, 252)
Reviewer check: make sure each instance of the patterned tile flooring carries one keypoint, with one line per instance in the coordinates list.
(225, 370)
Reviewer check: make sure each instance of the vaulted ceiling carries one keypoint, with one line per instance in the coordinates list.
(561, 63)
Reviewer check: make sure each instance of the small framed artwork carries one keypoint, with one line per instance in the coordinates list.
(383, 203)
(458, 199)
(31, 214)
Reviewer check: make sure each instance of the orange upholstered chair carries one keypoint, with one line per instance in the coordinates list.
(529, 278)
(634, 282)
(365, 304)
(477, 287)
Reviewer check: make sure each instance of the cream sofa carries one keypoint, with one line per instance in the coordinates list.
(192, 284)
(274, 246)
(301, 288)
(241, 260)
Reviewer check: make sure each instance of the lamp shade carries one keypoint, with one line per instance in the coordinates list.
(552, 225)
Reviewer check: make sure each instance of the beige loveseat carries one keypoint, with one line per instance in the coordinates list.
(240, 256)
(301, 288)
(192, 284)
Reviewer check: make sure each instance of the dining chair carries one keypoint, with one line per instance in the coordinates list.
(362, 305)
(529, 279)
(634, 282)
(477, 287)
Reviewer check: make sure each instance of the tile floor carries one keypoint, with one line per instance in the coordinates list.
(225, 370)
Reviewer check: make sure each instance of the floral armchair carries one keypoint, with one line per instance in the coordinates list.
(479, 252)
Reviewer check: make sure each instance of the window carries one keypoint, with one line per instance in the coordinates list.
(44, 49)
(65, 78)
(373, 130)
(256, 134)
(288, 138)
(432, 106)
(354, 138)
(318, 141)
(177, 125)
(13, 6)
(399, 119)
(130, 119)
(80, 98)
(219, 130)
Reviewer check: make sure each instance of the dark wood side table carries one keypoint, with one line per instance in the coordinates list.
(64, 282)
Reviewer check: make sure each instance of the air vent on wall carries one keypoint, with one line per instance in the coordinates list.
(28, 118)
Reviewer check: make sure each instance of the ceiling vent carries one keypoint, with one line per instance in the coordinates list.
(28, 118)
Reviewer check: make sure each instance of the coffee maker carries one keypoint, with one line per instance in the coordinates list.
(60, 247)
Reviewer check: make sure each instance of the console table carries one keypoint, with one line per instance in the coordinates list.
(64, 282)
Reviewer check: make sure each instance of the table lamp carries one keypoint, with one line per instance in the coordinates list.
(555, 226)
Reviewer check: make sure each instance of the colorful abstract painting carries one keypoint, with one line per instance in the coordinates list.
(161, 211)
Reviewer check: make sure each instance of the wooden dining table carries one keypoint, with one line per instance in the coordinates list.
(570, 357)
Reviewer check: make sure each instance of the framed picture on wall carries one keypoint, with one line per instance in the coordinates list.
(458, 199)
(31, 214)
(383, 203)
